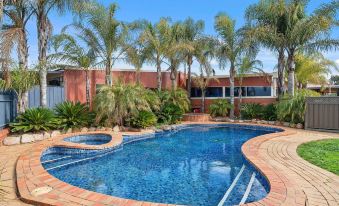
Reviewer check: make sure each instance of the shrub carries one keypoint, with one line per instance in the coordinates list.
(178, 97)
(170, 114)
(117, 103)
(219, 108)
(144, 119)
(292, 109)
(73, 115)
(269, 112)
(35, 120)
(251, 111)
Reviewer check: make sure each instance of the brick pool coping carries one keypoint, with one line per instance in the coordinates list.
(31, 175)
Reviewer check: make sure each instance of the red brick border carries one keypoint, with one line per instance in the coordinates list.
(30, 175)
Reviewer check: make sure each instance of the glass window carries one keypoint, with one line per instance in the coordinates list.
(195, 92)
(214, 92)
(236, 91)
(258, 91)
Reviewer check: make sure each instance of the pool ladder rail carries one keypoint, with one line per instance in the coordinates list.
(234, 183)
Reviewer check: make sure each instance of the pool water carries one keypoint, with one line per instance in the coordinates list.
(199, 165)
(91, 139)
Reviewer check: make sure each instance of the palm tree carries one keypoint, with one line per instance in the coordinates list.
(267, 23)
(192, 31)
(42, 9)
(105, 35)
(176, 50)
(233, 44)
(155, 38)
(313, 69)
(71, 54)
(308, 33)
(136, 55)
(15, 32)
(113, 104)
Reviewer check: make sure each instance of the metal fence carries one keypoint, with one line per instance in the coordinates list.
(322, 113)
(55, 95)
(8, 102)
(8, 110)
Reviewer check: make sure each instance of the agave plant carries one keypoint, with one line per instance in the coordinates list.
(34, 120)
(219, 108)
(73, 115)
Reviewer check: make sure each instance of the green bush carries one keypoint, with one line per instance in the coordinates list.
(219, 108)
(73, 115)
(35, 120)
(170, 114)
(292, 109)
(269, 112)
(144, 119)
(178, 97)
(252, 111)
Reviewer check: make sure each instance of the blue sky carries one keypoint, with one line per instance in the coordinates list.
(152, 10)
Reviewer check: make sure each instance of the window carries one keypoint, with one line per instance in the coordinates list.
(214, 92)
(195, 92)
(258, 91)
(236, 91)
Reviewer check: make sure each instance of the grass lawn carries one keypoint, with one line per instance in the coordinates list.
(323, 153)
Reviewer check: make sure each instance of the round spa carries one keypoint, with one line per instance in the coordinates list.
(90, 139)
(191, 165)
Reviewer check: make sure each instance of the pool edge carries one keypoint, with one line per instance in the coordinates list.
(31, 175)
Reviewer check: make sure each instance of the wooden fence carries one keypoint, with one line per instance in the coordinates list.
(55, 95)
(322, 113)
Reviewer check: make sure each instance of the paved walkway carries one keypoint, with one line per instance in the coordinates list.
(301, 183)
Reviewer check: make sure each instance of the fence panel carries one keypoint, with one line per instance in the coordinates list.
(322, 113)
(55, 95)
(8, 110)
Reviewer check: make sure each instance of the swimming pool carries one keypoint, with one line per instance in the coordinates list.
(193, 165)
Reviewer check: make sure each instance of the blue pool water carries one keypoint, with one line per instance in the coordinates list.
(92, 139)
(191, 166)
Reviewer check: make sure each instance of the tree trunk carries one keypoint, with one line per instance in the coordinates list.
(138, 77)
(108, 77)
(88, 100)
(159, 82)
(173, 76)
(281, 72)
(232, 74)
(240, 101)
(42, 46)
(23, 64)
(291, 71)
(203, 101)
(189, 76)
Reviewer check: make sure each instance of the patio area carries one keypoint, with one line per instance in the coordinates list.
(293, 180)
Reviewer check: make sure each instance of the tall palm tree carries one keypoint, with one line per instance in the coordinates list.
(313, 69)
(192, 31)
(155, 38)
(105, 35)
(267, 23)
(15, 33)
(42, 9)
(72, 54)
(176, 50)
(233, 44)
(136, 55)
(308, 33)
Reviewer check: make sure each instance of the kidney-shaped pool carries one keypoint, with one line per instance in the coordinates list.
(192, 165)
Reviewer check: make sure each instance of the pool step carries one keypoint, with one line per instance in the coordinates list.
(229, 190)
(56, 159)
(239, 191)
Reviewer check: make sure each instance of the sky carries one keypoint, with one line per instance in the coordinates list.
(177, 10)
